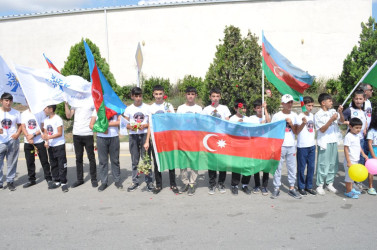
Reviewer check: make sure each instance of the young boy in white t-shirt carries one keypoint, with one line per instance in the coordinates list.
(189, 176)
(288, 150)
(306, 149)
(53, 135)
(222, 112)
(138, 116)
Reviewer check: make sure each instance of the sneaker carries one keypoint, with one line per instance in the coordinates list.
(191, 190)
(184, 189)
(174, 189)
(29, 184)
(102, 187)
(156, 190)
(150, 187)
(211, 190)
(118, 185)
(256, 190)
(54, 185)
(331, 188)
(133, 187)
(94, 183)
(77, 183)
(351, 195)
(65, 188)
(302, 192)
(234, 190)
(264, 191)
(221, 188)
(372, 191)
(311, 191)
(294, 194)
(11, 186)
(275, 194)
(246, 190)
(320, 190)
(355, 191)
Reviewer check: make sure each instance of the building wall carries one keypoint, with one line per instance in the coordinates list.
(316, 35)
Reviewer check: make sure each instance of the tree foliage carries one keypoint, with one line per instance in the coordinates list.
(148, 84)
(236, 70)
(190, 81)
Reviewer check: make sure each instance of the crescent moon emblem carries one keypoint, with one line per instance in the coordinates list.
(279, 72)
(98, 93)
(205, 144)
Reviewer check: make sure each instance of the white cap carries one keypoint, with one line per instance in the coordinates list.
(286, 98)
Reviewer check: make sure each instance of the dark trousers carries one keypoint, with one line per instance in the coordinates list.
(158, 175)
(30, 160)
(108, 146)
(237, 177)
(264, 179)
(87, 142)
(305, 157)
(136, 142)
(58, 162)
(212, 177)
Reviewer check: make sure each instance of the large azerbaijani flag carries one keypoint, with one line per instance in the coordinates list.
(106, 102)
(203, 142)
(285, 76)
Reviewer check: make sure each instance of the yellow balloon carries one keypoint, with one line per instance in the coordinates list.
(358, 172)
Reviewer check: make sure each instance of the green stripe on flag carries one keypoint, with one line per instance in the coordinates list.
(203, 160)
(279, 84)
(102, 123)
(371, 78)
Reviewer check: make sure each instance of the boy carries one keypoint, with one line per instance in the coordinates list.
(160, 106)
(306, 149)
(258, 118)
(108, 145)
(33, 140)
(9, 144)
(137, 114)
(326, 123)
(288, 150)
(240, 116)
(352, 150)
(53, 135)
(222, 112)
(189, 107)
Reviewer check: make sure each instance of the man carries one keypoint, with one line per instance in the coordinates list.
(83, 137)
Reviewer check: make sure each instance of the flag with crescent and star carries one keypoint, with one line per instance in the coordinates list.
(106, 101)
(285, 76)
(202, 142)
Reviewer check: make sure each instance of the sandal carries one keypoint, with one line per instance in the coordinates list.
(156, 190)
(174, 189)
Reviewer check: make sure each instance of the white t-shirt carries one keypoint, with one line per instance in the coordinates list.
(32, 123)
(235, 118)
(138, 115)
(306, 138)
(184, 108)
(368, 111)
(161, 108)
(9, 121)
(81, 120)
(353, 143)
(331, 135)
(111, 131)
(356, 113)
(372, 135)
(255, 119)
(289, 138)
(51, 127)
(222, 111)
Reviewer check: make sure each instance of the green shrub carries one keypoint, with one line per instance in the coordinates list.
(148, 84)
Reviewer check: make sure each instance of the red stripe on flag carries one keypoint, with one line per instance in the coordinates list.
(282, 74)
(96, 88)
(251, 147)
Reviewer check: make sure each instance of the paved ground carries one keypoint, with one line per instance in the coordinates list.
(37, 218)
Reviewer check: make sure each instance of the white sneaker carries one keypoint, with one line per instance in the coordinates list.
(331, 188)
(320, 190)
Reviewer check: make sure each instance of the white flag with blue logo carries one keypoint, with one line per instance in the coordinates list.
(9, 83)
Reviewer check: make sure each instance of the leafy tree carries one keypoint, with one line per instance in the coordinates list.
(148, 84)
(359, 60)
(236, 70)
(189, 80)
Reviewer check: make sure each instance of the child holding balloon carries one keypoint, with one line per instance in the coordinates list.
(372, 145)
(352, 151)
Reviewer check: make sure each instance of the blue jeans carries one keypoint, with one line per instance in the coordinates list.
(305, 157)
(362, 145)
(9, 150)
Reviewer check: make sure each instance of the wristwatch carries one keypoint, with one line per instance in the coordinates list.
(34, 134)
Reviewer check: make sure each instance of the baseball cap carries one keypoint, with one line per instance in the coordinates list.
(286, 98)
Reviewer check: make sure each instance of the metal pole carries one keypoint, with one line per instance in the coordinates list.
(107, 38)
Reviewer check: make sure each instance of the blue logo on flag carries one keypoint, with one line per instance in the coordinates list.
(57, 82)
(13, 82)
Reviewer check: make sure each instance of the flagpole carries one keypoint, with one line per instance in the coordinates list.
(361, 80)
(262, 81)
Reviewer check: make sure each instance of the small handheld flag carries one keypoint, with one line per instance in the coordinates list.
(303, 107)
(50, 64)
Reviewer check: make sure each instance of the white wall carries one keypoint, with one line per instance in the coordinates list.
(182, 39)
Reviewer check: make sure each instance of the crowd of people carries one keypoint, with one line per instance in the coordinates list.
(309, 138)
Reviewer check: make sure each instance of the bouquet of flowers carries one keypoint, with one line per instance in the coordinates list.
(135, 126)
(240, 109)
(214, 112)
(166, 104)
(145, 165)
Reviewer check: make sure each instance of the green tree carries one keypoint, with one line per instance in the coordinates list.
(236, 70)
(148, 84)
(359, 60)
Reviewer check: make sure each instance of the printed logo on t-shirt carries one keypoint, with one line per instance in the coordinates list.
(50, 130)
(139, 117)
(369, 111)
(287, 127)
(310, 126)
(159, 112)
(32, 124)
(355, 113)
(6, 123)
(215, 114)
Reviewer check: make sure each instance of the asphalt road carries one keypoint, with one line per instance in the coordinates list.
(38, 218)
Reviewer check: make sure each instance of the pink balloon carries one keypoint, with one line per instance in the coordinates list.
(371, 165)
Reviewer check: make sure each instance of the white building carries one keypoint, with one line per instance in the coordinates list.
(181, 38)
